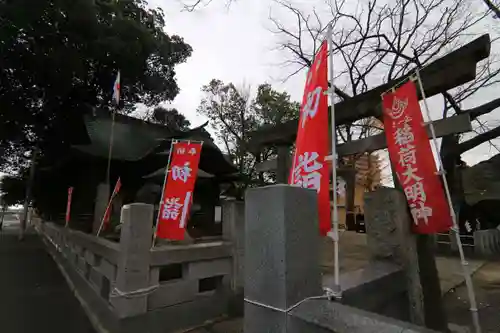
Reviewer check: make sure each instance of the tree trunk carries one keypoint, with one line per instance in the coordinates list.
(29, 189)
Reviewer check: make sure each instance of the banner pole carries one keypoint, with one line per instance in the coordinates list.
(110, 152)
(455, 228)
(336, 288)
(104, 217)
(163, 190)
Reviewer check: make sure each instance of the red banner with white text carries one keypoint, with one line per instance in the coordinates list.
(68, 205)
(178, 190)
(413, 161)
(309, 169)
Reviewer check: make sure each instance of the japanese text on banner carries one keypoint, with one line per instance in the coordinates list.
(312, 146)
(413, 161)
(178, 190)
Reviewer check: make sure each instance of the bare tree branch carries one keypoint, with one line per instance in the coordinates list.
(379, 41)
(192, 5)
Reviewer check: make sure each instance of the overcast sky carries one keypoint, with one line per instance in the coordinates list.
(236, 46)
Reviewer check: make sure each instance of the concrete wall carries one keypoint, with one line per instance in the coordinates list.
(131, 287)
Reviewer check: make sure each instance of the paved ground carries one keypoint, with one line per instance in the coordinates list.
(487, 286)
(34, 296)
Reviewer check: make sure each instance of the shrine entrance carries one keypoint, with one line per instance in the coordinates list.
(448, 72)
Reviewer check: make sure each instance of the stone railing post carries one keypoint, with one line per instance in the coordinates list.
(233, 230)
(389, 238)
(129, 294)
(282, 254)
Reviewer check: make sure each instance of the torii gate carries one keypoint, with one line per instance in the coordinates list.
(448, 72)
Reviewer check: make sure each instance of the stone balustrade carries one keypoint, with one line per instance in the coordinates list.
(131, 286)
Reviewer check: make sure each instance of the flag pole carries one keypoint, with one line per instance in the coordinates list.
(116, 99)
(104, 217)
(110, 152)
(162, 191)
(455, 228)
(336, 288)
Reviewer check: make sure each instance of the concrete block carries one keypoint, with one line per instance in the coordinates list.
(78, 249)
(209, 268)
(338, 318)
(132, 274)
(96, 280)
(233, 228)
(176, 254)
(374, 286)
(172, 293)
(154, 276)
(107, 269)
(91, 258)
(82, 266)
(281, 250)
(264, 320)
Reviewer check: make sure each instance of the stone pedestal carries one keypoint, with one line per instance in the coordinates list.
(281, 254)
(129, 294)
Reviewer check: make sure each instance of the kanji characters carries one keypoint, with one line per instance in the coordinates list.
(420, 211)
(404, 135)
(181, 172)
(311, 106)
(407, 155)
(415, 192)
(171, 209)
(306, 172)
(410, 174)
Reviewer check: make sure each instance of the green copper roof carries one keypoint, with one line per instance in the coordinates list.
(133, 138)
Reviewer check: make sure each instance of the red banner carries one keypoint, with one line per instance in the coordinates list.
(413, 161)
(68, 205)
(107, 213)
(312, 146)
(178, 190)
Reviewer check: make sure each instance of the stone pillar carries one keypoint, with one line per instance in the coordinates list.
(283, 161)
(282, 254)
(129, 294)
(101, 202)
(233, 230)
(389, 238)
(349, 176)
